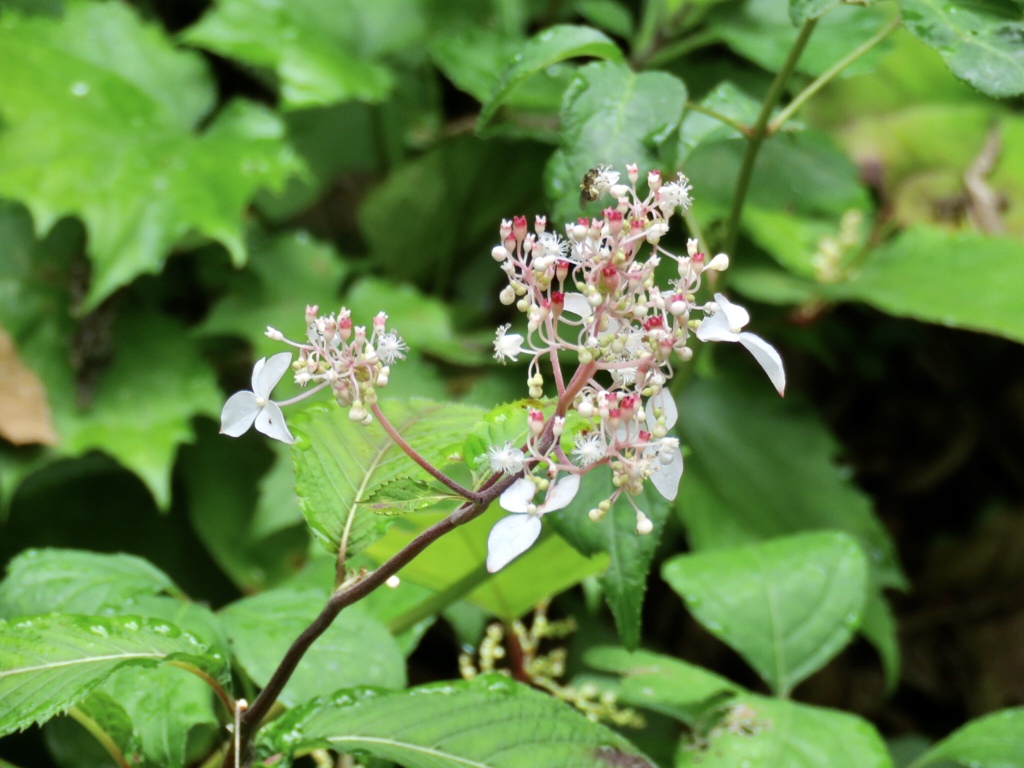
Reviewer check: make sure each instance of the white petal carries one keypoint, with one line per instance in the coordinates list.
(667, 404)
(561, 494)
(666, 478)
(270, 421)
(267, 372)
(737, 315)
(767, 358)
(577, 304)
(238, 413)
(716, 328)
(518, 495)
(509, 538)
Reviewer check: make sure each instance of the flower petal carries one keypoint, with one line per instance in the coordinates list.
(268, 371)
(666, 477)
(767, 358)
(716, 328)
(737, 316)
(270, 421)
(238, 413)
(561, 494)
(517, 496)
(577, 304)
(667, 404)
(509, 538)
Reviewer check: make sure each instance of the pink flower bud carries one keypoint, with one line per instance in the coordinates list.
(540, 224)
(505, 230)
(535, 421)
(654, 181)
(614, 219)
(609, 280)
(562, 270)
(519, 227)
(379, 321)
(557, 303)
(632, 173)
(311, 312)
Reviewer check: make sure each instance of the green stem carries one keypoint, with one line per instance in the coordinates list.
(669, 53)
(830, 74)
(643, 40)
(736, 125)
(102, 737)
(759, 133)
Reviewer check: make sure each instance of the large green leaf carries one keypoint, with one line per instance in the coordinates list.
(313, 47)
(759, 731)
(913, 275)
(979, 42)
(338, 463)
(786, 606)
(548, 47)
(109, 102)
(355, 649)
(489, 722)
(612, 115)
(49, 663)
(139, 379)
(624, 583)
(993, 741)
(101, 712)
(664, 684)
(76, 581)
(762, 467)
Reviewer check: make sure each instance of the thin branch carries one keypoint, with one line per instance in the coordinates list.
(759, 132)
(828, 75)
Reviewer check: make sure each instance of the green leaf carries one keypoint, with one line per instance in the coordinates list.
(76, 581)
(612, 115)
(403, 495)
(552, 45)
(165, 704)
(223, 485)
(913, 275)
(488, 722)
(805, 10)
(284, 273)
(725, 99)
(787, 606)
(355, 649)
(453, 566)
(437, 199)
(424, 322)
(624, 583)
(101, 713)
(763, 31)
(111, 100)
(337, 463)
(663, 684)
(49, 663)
(805, 173)
(762, 467)
(760, 731)
(993, 741)
(314, 48)
(978, 42)
(878, 626)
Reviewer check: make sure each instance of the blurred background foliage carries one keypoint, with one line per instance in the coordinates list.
(176, 176)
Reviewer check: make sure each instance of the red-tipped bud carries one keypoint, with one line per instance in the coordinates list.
(609, 279)
(519, 227)
(614, 219)
(562, 270)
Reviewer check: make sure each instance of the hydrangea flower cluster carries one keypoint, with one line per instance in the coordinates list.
(592, 294)
(336, 355)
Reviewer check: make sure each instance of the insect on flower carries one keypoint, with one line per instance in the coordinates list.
(589, 192)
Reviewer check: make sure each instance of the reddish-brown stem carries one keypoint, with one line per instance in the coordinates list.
(366, 583)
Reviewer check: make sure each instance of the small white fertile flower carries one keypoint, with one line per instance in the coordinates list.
(726, 324)
(505, 458)
(676, 193)
(507, 345)
(391, 347)
(589, 448)
(516, 533)
(243, 409)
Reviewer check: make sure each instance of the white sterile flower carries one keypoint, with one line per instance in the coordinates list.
(507, 344)
(505, 458)
(516, 533)
(577, 304)
(589, 448)
(727, 323)
(667, 468)
(391, 347)
(243, 409)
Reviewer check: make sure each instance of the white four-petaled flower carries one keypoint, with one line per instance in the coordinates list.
(669, 459)
(243, 409)
(513, 535)
(727, 323)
